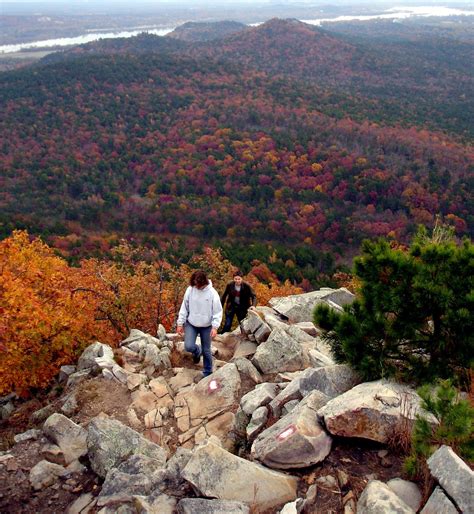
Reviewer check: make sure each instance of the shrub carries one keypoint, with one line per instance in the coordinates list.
(455, 427)
(414, 314)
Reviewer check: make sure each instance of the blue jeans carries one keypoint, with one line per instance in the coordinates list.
(190, 334)
(229, 317)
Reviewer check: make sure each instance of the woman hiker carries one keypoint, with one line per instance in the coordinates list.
(200, 313)
(238, 297)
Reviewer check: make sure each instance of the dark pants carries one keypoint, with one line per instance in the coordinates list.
(229, 317)
(190, 334)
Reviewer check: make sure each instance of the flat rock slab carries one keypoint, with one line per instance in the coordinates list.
(213, 395)
(203, 506)
(378, 498)
(216, 473)
(454, 476)
(297, 440)
(371, 410)
(299, 308)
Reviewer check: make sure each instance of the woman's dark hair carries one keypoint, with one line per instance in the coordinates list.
(237, 273)
(199, 279)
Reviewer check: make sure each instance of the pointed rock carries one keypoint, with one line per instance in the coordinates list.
(439, 503)
(70, 437)
(454, 476)
(89, 355)
(110, 442)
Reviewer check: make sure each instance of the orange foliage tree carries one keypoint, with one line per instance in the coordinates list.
(42, 325)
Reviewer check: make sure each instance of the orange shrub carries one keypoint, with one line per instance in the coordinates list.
(42, 325)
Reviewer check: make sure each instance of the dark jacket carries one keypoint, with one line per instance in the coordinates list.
(247, 297)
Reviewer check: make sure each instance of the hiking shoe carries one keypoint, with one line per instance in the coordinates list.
(197, 357)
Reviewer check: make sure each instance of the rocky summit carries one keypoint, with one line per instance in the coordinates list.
(279, 427)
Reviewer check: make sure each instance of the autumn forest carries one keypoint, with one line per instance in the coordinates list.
(281, 147)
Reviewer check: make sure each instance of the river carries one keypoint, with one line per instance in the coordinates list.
(395, 13)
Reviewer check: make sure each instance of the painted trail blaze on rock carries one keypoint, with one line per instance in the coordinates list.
(295, 441)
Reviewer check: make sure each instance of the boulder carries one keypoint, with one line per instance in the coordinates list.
(203, 506)
(245, 349)
(371, 410)
(45, 474)
(122, 487)
(439, 503)
(88, 358)
(309, 327)
(254, 328)
(157, 503)
(246, 368)
(65, 372)
(110, 442)
(299, 308)
(454, 476)
(295, 441)
(378, 498)
(212, 396)
(216, 473)
(29, 435)
(70, 437)
(134, 336)
(409, 492)
(257, 423)
(261, 395)
(330, 380)
(279, 353)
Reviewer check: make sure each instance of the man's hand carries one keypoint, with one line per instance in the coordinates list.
(180, 330)
(213, 333)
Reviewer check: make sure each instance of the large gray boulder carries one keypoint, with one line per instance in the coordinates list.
(454, 476)
(372, 410)
(70, 437)
(110, 442)
(299, 308)
(330, 380)
(279, 353)
(216, 473)
(297, 440)
(88, 358)
(378, 498)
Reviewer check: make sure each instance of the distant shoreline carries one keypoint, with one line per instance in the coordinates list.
(396, 13)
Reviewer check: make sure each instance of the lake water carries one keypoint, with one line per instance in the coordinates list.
(395, 13)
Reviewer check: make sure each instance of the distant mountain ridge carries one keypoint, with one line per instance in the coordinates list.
(206, 31)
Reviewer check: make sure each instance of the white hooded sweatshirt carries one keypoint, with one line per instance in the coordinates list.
(201, 307)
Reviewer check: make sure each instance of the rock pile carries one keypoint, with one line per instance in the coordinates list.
(229, 443)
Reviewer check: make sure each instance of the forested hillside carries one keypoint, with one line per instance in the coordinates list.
(138, 139)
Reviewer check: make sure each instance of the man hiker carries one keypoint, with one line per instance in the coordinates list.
(238, 297)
